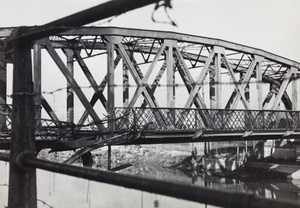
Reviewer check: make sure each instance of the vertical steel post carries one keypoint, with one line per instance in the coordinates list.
(22, 181)
(170, 80)
(110, 85)
(212, 92)
(215, 79)
(3, 83)
(70, 93)
(259, 81)
(37, 76)
(294, 90)
(247, 96)
(125, 85)
(170, 74)
(238, 157)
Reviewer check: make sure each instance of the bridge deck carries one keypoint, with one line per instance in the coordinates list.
(164, 125)
(208, 120)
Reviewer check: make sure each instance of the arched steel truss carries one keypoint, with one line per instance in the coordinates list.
(163, 70)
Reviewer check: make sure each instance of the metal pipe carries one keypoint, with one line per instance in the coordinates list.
(4, 157)
(182, 191)
(99, 12)
(22, 133)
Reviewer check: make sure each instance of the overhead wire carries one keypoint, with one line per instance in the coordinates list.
(149, 85)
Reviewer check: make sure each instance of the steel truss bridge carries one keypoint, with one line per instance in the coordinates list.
(154, 87)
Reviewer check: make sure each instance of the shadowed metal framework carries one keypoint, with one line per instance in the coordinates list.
(157, 87)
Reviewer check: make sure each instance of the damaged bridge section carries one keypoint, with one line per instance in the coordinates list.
(130, 86)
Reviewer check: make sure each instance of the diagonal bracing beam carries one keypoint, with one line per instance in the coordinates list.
(286, 80)
(150, 99)
(155, 83)
(141, 88)
(235, 97)
(98, 94)
(73, 83)
(89, 77)
(200, 80)
(238, 88)
(188, 79)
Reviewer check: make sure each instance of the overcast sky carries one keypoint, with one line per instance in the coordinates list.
(271, 25)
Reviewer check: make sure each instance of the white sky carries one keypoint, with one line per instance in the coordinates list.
(271, 25)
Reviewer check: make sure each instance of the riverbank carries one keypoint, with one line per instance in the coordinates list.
(165, 163)
(228, 162)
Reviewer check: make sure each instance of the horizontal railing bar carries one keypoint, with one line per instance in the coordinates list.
(191, 109)
(208, 109)
(4, 157)
(182, 191)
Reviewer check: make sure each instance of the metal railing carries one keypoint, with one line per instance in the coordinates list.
(44, 128)
(172, 119)
(217, 120)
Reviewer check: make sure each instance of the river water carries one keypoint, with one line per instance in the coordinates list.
(56, 190)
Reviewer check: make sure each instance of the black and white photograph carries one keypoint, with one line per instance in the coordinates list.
(149, 103)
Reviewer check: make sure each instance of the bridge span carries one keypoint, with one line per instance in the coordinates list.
(141, 86)
(138, 86)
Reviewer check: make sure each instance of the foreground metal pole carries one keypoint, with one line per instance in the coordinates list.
(22, 181)
(99, 12)
(182, 191)
(4, 157)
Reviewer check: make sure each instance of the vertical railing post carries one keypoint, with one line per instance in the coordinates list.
(134, 119)
(108, 157)
(264, 125)
(196, 120)
(222, 121)
(22, 180)
(287, 120)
